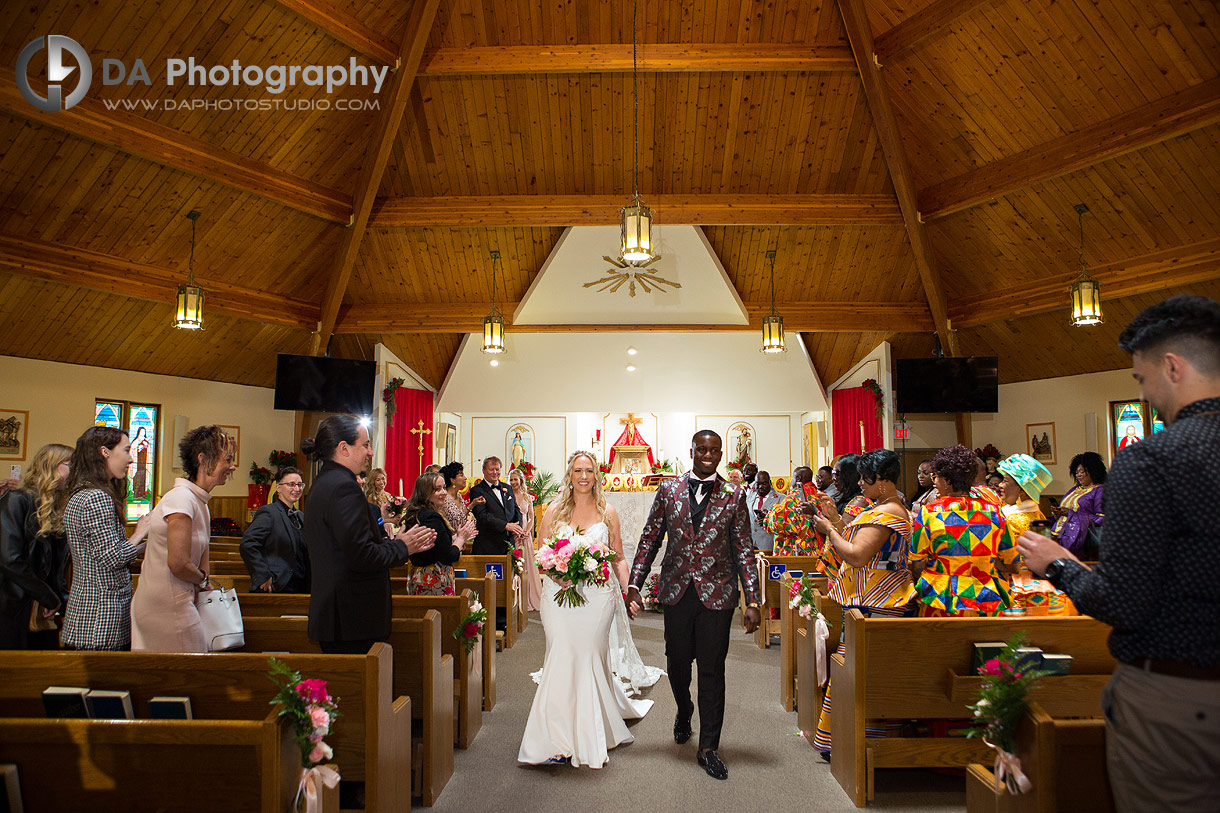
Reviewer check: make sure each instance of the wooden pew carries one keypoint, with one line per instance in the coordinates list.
(508, 590)
(420, 671)
(371, 743)
(1065, 760)
(485, 590)
(789, 623)
(904, 668)
(809, 693)
(770, 572)
(468, 667)
(122, 764)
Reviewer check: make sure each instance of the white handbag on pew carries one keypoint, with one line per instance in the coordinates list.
(220, 616)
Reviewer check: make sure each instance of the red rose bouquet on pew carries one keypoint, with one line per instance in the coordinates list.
(470, 627)
(800, 598)
(1003, 699)
(573, 563)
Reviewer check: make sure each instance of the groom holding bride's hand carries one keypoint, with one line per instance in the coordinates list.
(709, 546)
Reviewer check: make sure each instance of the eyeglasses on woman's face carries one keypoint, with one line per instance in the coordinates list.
(293, 485)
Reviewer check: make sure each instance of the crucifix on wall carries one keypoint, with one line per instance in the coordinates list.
(421, 432)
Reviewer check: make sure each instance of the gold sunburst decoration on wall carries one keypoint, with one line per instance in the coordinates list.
(634, 273)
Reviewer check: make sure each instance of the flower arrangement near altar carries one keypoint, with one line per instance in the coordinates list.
(260, 475)
(387, 395)
(279, 459)
(652, 586)
(310, 710)
(527, 468)
(872, 386)
(572, 564)
(543, 486)
(603, 468)
(800, 598)
(1003, 700)
(732, 464)
(471, 627)
(989, 451)
(663, 467)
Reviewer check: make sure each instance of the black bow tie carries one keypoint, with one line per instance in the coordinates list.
(294, 516)
(702, 486)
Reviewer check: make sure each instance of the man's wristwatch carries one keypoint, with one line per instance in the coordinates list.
(753, 605)
(1054, 570)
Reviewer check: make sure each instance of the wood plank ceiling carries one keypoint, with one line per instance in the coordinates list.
(754, 125)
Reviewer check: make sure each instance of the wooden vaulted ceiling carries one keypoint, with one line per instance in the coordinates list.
(914, 164)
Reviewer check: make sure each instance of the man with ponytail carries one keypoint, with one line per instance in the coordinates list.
(349, 604)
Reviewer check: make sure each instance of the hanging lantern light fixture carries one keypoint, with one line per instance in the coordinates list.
(773, 324)
(635, 219)
(1086, 292)
(189, 312)
(493, 323)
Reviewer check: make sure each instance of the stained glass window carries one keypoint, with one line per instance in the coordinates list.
(140, 422)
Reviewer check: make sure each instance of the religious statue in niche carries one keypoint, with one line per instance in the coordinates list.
(520, 446)
(741, 441)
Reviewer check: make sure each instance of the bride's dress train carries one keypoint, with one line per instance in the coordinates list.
(579, 708)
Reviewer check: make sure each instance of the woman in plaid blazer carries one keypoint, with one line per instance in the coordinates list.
(99, 606)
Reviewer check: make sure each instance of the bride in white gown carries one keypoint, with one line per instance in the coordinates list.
(580, 706)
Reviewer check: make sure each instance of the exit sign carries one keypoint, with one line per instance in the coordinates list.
(901, 432)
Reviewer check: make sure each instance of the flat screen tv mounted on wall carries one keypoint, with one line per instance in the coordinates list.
(319, 384)
(963, 384)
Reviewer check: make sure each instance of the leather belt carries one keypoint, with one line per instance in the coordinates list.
(1178, 669)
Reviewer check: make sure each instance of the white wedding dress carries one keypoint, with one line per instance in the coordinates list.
(580, 706)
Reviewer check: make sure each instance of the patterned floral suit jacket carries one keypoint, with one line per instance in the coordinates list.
(711, 559)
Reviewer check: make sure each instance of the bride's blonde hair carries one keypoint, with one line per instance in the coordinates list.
(567, 502)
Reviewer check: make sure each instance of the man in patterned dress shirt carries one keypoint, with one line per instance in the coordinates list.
(1154, 582)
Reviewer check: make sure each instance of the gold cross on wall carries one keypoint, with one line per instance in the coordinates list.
(421, 432)
(631, 420)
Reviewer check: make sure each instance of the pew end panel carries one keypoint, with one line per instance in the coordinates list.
(485, 589)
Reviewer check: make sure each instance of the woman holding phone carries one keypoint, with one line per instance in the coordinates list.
(787, 520)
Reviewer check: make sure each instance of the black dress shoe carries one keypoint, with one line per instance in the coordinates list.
(711, 763)
(682, 730)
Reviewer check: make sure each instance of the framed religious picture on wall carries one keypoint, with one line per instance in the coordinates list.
(450, 442)
(14, 432)
(235, 433)
(1131, 422)
(1040, 441)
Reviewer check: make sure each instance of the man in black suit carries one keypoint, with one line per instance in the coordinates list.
(349, 606)
(498, 518)
(273, 547)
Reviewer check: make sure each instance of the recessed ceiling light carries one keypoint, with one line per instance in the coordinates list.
(631, 368)
(631, 351)
(495, 362)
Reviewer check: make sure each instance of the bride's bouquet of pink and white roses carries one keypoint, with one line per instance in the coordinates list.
(571, 563)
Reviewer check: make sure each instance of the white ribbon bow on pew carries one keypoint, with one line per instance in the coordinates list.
(309, 790)
(821, 633)
(1008, 770)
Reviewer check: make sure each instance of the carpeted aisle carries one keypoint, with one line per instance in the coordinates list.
(771, 767)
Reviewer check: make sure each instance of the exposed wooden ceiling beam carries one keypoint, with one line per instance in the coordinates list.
(855, 21)
(103, 272)
(132, 134)
(653, 57)
(467, 317)
(389, 119)
(1180, 113)
(1167, 268)
(346, 29)
(599, 210)
(927, 22)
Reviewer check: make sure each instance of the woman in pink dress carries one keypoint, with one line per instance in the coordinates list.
(533, 579)
(175, 568)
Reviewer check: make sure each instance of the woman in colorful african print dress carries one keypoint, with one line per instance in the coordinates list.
(960, 544)
(431, 572)
(872, 576)
(1024, 480)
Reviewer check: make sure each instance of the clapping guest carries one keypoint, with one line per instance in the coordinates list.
(851, 501)
(533, 579)
(374, 488)
(431, 572)
(349, 604)
(273, 547)
(960, 570)
(759, 502)
(1081, 508)
(873, 576)
(175, 568)
(792, 529)
(33, 546)
(99, 606)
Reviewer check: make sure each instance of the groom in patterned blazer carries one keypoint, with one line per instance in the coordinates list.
(708, 526)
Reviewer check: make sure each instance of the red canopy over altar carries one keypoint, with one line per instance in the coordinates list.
(631, 437)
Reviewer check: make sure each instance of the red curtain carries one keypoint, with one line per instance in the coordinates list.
(402, 460)
(848, 407)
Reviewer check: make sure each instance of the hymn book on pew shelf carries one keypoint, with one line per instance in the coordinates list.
(170, 708)
(65, 701)
(105, 704)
